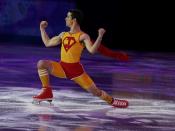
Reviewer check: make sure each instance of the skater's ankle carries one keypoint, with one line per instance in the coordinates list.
(112, 101)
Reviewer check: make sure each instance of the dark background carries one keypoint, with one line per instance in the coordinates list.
(130, 25)
(135, 25)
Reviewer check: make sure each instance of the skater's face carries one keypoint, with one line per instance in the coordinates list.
(69, 20)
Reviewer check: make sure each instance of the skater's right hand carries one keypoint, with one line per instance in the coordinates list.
(43, 24)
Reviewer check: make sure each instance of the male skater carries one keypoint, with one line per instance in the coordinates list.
(72, 44)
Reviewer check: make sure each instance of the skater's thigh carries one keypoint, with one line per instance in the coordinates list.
(84, 81)
(57, 70)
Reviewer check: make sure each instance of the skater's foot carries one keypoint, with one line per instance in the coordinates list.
(45, 95)
(120, 103)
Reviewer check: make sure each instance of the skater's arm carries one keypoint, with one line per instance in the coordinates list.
(49, 42)
(92, 48)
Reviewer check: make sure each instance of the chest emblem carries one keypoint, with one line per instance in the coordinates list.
(68, 42)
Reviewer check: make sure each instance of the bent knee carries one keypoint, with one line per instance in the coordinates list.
(43, 64)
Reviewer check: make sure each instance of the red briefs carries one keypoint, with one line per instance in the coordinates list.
(72, 70)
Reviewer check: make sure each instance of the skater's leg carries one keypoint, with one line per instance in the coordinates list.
(100, 93)
(57, 70)
(87, 83)
(46, 67)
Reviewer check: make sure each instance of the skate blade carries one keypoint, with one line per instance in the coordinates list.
(120, 107)
(38, 101)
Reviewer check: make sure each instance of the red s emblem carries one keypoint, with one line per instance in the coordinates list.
(68, 42)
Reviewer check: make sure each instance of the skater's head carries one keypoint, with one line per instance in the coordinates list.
(74, 16)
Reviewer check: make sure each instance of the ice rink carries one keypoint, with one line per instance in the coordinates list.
(147, 81)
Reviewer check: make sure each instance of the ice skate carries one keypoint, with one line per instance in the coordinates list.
(120, 103)
(45, 95)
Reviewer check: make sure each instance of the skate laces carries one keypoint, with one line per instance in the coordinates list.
(120, 103)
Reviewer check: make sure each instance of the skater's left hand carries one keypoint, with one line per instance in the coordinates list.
(101, 32)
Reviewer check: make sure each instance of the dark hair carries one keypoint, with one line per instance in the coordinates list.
(77, 14)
